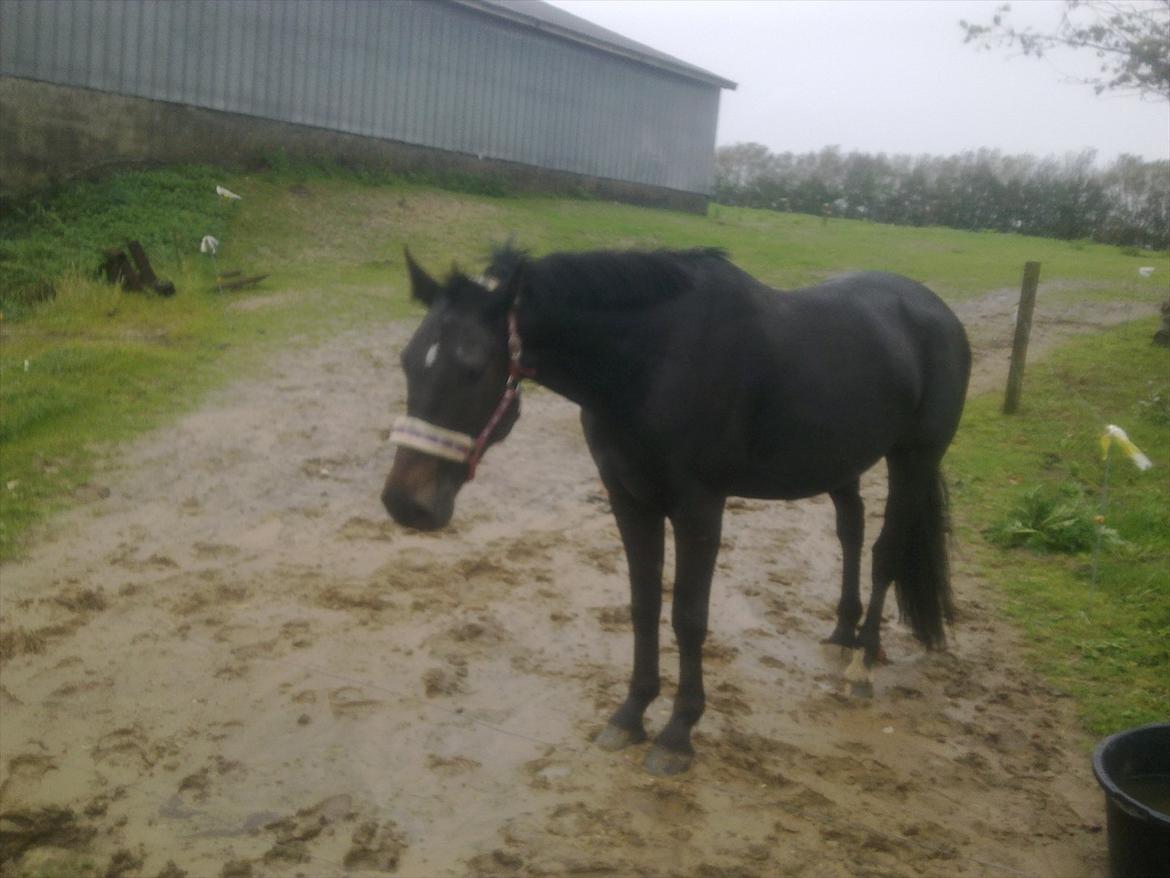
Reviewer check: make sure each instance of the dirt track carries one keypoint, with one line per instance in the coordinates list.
(228, 659)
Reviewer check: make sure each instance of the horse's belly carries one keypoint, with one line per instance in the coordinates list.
(783, 483)
(804, 467)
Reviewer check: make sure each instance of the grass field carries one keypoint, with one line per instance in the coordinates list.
(93, 366)
(1107, 643)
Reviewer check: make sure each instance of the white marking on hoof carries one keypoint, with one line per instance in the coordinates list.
(857, 672)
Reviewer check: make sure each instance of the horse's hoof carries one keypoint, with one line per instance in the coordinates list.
(859, 676)
(613, 738)
(664, 763)
(861, 689)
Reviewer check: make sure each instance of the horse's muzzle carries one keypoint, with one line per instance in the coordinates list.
(416, 493)
(409, 513)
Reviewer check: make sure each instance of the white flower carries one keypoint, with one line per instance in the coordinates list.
(208, 245)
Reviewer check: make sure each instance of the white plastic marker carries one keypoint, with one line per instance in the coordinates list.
(210, 245)
(1113, 435)
(226, 193)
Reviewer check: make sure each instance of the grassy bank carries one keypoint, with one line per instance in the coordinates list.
(84, 365)
(312, 229)
(1027, 489)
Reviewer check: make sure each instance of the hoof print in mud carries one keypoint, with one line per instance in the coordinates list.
(21, 830)
(375, 846)
(444, 681)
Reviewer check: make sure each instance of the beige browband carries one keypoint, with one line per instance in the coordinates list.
(429, 439)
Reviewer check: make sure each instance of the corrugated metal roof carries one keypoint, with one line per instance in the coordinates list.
(551, 20)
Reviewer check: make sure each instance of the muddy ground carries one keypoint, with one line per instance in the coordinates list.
(227, 661)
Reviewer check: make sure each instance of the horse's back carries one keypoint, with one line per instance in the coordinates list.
(837, 376)
(892, 299)
(901, 312)
(914, 314)
(914, 328)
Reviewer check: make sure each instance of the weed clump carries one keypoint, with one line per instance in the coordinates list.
(1047, 520)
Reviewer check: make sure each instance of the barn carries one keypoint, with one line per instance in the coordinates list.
(515, 88)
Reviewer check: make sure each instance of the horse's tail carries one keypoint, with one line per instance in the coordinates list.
(921, 569)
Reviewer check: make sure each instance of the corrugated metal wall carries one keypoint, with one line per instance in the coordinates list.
(428, 73)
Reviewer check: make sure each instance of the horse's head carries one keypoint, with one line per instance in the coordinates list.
(460, 395)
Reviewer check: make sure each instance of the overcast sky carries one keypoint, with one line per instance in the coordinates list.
(886, 76)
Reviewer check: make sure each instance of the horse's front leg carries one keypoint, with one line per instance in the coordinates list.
(697, 532)
(642, 530)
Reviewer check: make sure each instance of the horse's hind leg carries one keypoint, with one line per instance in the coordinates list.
(889, 542)
(912, 550)
(869, 652)
(642, 531)
(851, 532)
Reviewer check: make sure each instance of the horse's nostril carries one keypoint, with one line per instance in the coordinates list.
(408, 513)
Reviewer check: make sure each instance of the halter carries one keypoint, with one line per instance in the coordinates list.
(461, 447)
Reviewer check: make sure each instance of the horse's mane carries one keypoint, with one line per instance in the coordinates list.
(602, 279)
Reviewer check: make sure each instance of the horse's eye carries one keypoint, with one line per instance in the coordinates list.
(470, 358)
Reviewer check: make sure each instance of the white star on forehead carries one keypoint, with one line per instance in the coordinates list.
(432, 355)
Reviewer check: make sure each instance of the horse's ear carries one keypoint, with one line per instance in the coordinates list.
(422, 286)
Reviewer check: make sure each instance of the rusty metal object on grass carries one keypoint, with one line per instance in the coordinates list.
(145, 271)
(135, 276)
(1162, 336)
(229, 281)
(117, 270)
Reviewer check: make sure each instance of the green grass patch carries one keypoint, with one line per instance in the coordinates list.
(64, 231)
(1026, 490)
(315, 229)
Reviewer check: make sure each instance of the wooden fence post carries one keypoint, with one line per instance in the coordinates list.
(1023, 329)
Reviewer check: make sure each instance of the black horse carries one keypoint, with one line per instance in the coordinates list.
(696, 382)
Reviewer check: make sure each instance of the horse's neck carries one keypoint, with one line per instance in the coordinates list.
(598, 361)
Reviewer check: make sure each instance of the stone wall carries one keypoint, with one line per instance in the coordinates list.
(52, 133)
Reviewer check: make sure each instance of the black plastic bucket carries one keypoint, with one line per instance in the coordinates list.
(1133, 767)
